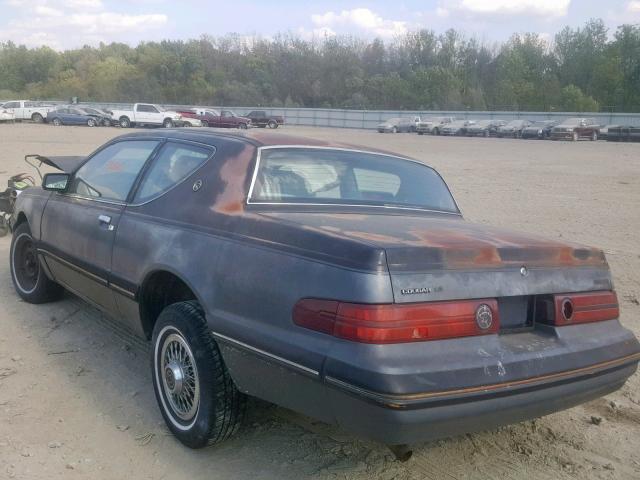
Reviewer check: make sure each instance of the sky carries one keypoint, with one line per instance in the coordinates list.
(63, 24)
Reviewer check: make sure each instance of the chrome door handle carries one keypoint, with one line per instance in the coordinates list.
(104, 219)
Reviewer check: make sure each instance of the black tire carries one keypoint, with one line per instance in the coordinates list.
(187, 124)
(220, 406)
(27, 274)
(168, 123)
(91, 122)
(37, 118)
(124, 122)
(56, 122)
(242, 126)
(272, 124)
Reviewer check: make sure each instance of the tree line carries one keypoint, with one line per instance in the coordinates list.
(582, 69)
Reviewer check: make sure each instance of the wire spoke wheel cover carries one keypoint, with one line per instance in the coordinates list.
(179, 376)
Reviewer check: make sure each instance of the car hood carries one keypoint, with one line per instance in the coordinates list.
(65, 164)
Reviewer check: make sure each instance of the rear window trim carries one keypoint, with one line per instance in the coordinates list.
(256, 167)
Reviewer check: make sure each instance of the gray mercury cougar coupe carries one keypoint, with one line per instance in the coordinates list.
(337, 281)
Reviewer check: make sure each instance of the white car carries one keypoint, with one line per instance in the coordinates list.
(6, 115)
(148, 114)
(27, 110)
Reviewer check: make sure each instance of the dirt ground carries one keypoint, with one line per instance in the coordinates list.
(75, 392)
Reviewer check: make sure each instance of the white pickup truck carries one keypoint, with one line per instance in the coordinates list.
(147, 114)
(27, 110)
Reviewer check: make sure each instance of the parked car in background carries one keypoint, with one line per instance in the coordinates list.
(575, 129)
(6, 115)
(259, 118)
(105, 117)
(143, 114)
(513, 128)
(72, 115)
(540, 129)
(432, 125)
(213, 118)
(604, 131)
(397, 125)
(457, 127)
(27, 110)
(339, 282)
(484, 128)
(624, 133)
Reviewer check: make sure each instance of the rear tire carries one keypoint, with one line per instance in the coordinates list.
(196, 395)
(27, 273)
(242, 126)
(37, 118)
(124, 122)
(56, 122)
(168, 123)
(272, 124)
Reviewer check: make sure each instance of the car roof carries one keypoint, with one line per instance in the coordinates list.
(257, 138)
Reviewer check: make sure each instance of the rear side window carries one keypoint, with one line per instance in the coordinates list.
(174, 163)
(344, 177)
(110, 173)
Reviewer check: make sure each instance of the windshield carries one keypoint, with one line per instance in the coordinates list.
(339, 177)
(572, 121)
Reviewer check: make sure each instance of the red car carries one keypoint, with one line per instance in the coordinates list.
(213, 118)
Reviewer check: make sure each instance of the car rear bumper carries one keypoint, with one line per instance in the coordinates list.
(394, 420)
(411, 392)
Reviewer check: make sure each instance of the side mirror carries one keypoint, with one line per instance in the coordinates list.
(57, 182)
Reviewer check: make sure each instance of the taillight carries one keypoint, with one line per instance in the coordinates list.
(572, 308)
(398, 323)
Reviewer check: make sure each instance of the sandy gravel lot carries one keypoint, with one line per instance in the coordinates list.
(75, 393)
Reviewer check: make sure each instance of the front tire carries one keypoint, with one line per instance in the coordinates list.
(124, 122)
(27, 274)
(37, 118)
(272, 124)
(168, 123)
(91, 122)
(242, 126)
(57, 122)
(196, 395)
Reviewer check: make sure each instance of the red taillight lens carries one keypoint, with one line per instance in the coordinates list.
(394, 323)
(587, 307)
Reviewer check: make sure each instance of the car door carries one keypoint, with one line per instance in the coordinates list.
(79, 225)
(15, 108)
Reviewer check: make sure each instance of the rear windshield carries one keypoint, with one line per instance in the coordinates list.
(345, 177)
